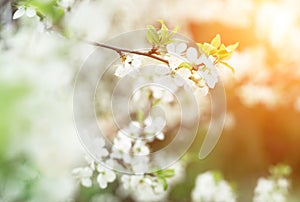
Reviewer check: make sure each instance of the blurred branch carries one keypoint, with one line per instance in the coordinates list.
(5, 12)
(3, 3)
(121, 51)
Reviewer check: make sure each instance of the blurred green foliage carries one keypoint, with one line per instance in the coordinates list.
(17, 174)
(9, 97)
(45, 9)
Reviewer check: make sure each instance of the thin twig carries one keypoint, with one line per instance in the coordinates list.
(120, 51)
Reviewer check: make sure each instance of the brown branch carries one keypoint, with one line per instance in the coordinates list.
(120, 51)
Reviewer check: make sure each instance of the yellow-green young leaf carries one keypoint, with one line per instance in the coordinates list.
(222, 52)
(152, 38)
(207, 49)
(140, 116)
(227, 65)
(152, 35)
(280, 170)
(217, 176)
(170, 35)
(175, 30)
(216, 42)
(155, 102)
(164, 182)
(232, 47)
(185, 65)
(223, 55)
(203, 49)
(163, 25)
(163, 32)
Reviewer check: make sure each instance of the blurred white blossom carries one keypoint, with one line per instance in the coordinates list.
(30, 12)
(210, 189)
(274, 190)
(105, 176)
(84, 175)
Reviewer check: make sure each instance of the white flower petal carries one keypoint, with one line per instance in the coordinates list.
(179, 81)
(122, 142)
(103, 153)
(110, 176)
(86, 182)
(159, 123)
(102, 181)
(184, 73)
(30, 12)
(19, 13)
(141, 148)
(206, 61)
(76, 171)
(174, 62)
(162, 70)
(160, 136)
(157, 92)
(100, 168)
(191, 54)
(171, 48)
(203, 90)
(180, 48)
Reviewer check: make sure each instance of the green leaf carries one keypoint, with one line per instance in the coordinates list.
(140, 116)
(217, 176)
(164, 183)
(280, 170)
(166, 173)
(48, 8)
(152, 35)
(155, 102)
(160, 37)
(164, 32)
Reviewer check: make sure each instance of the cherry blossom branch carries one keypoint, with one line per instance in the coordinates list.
(121, 51)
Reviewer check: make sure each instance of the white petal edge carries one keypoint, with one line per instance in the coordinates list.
(19, 13)
(181, 47)
(191, 54)
(30, 12)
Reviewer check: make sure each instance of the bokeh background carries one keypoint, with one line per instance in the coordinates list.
(38, 65)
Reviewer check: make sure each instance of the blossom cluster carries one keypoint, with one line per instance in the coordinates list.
(211, 187)
(275, 187)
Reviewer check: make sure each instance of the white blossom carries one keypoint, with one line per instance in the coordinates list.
(161, 94)
(139, 164)
(176, 48)
(192, 56)
(105, 176)
(154, 125)
(99, 147)
(253, 94)
(274, 190)
(30, 12)
(122, 142)
(208, 72)
(208, 189)
(140, 148)
(84, 175)
(175, 51)
(133, 130)
(131, 63)
(144, 188)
